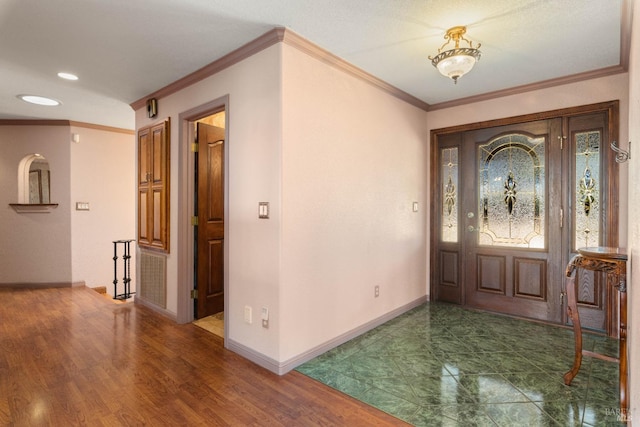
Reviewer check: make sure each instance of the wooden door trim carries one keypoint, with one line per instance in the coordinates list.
(185, 202)
(611, 106)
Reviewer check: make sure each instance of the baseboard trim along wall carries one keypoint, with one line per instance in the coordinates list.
(151, 306)
(284, 367)
(43, 285)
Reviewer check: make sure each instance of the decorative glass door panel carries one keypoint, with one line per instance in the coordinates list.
(449, 176)
(587, 191)
(511, 189)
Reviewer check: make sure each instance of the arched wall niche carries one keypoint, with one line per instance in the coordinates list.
(34, 185)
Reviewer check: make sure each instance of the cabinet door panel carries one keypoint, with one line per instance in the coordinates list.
(153, 187)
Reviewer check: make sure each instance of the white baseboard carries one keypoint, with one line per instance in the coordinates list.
(163, 311)
(43, 285)
(282, 368)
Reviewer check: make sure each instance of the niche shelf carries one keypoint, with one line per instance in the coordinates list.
(33, 207)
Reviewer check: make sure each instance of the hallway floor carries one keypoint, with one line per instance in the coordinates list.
(440, 364)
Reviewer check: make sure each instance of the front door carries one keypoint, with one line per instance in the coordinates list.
(511, 219)
(515, 201)
(210, 214)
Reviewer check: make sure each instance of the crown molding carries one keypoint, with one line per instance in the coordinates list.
(30, 122)
(266, 40)
(101, 127)
(294, 40)
(278, 35)
(516, 90)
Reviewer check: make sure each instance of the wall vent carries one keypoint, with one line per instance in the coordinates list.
(153, 279)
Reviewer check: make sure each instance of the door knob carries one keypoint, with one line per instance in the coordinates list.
(470, 215)
(471, 228)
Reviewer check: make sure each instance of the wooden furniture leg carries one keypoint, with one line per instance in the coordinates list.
(611, 261)
(572, 312)
(622, 289)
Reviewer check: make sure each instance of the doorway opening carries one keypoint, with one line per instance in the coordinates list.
(202, 208)
(209, 203)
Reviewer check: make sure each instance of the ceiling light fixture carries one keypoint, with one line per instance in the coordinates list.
(67, 76)
(39, 100)
(455, 63)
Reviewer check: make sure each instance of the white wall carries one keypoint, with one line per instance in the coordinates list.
(634, 224)
(103, 175)
(35, 248)
(354, 160)
(254, 128)
(361, 190)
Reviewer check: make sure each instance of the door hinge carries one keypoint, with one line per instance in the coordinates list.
(194, 147)
(561, 217)
(194, 294)
(194, 220)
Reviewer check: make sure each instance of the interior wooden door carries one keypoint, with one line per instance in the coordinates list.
(210, 228)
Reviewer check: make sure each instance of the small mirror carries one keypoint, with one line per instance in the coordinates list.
(39, 184)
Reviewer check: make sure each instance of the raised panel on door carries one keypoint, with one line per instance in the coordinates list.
(449, 279)
(158, 153)
(143, 217)
(530, 278)
(491, 274)
(158, 204)
(144, 170)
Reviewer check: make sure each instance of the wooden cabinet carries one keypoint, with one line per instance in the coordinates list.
(153, 186)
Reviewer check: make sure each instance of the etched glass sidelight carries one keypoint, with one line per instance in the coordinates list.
(587, 194)
(449, 179)
(511, 209)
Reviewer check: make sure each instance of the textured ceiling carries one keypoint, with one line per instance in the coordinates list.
(123, 50)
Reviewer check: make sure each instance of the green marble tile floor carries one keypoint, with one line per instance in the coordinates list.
(443, 365)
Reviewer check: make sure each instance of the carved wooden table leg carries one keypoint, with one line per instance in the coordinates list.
(572, 312)
(613, 262)
(622, 288)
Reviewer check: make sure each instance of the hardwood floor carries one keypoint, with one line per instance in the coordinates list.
(71, 357)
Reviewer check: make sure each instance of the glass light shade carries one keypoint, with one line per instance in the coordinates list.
(457, 65)
(454, 63)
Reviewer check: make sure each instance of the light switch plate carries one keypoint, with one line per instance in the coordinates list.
(263, 210)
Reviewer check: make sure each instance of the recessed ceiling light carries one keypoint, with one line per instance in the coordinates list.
(67, 76)
(39, 100)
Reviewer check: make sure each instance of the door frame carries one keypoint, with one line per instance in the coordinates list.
(185, 207)
(610, 235)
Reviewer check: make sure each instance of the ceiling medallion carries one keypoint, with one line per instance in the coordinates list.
(455, 63)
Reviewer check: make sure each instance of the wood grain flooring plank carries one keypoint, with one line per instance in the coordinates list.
(69, 356)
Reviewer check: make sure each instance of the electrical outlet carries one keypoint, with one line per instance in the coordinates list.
(248, 314)
(376, 291)
(265, 317)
